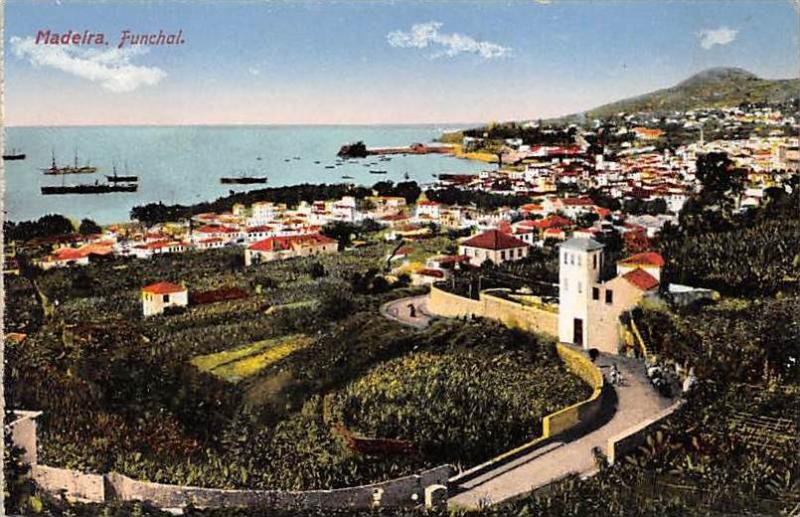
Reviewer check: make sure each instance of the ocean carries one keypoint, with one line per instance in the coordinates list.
(183, 164)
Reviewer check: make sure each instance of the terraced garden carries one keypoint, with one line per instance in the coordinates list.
(238, 363)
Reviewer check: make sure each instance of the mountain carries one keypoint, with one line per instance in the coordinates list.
(714, 87)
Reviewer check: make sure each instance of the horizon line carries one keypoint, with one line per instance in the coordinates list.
(274, 124)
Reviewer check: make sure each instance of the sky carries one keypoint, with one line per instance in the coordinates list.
(362, 62)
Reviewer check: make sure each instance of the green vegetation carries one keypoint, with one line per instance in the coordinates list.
(233, 365)
(715, 87)
(451, 404)
(150, 397)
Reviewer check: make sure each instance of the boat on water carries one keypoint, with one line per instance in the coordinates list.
(243, 180)
(116, 178)
(95, 188)
(406, 176)
(373, 171)
(14, 155)
(330, 166)
(55, 170)
(347, 177)
(317, 162)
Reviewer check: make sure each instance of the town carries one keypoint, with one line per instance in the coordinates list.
(610, 304)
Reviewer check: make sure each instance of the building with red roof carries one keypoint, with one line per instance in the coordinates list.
(590, 305)
(493, 245)
(290, 246)
(64, 257)
(649, 261)
(157, 297)
(641, 279)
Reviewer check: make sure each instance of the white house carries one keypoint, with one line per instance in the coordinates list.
(159, 296)
(589, 308)
(493, 245)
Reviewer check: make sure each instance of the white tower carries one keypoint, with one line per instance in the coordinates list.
(580, 264)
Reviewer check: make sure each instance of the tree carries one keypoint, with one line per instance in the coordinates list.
(719, 179)
(46, 226)
(89, 227)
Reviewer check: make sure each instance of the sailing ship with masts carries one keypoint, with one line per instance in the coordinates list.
(56, 170)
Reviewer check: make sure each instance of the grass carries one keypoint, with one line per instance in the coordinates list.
(234, 365)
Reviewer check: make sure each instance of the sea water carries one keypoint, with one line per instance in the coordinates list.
(184, 164)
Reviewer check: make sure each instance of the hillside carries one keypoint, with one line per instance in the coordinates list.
(714, 87)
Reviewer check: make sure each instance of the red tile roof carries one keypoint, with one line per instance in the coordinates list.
(494, 240)
(554, 221)
(648, 258)
(641, 279)
(163, 288)
(68, 254)
(288, 242)
(577, 201)
(436, 273)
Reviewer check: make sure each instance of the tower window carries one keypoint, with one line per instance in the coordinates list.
(594, 263)
(609, 296)
(595, 293)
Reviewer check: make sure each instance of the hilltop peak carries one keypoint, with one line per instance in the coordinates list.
(719, 74)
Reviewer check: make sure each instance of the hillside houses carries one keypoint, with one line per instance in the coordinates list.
(281, 248)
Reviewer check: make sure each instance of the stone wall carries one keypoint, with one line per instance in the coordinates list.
(405, 491)
(79, 486)
(73, 484)
(628, 440)
(585, 411)
(23, 434)
(510, 313)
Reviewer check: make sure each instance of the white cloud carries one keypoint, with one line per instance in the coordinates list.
(111, 68)
(720, 36)
(253, 70)
(424, 35)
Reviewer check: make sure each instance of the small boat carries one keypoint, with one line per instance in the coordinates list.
(258, 158)
(330, 166)
(115, 178)
(14, 155)
(287, 160)
(347, 177)
(406, 176)
(296, 157)
(317, 162)
(243, 179)
(372, 171)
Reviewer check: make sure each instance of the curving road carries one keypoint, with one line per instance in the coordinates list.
(624, 407)
(400, 311)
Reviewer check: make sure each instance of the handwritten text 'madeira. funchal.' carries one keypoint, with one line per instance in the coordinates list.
(126, 38)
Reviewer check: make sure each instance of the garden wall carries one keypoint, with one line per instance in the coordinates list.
(628, 440)
(405, 491)
(510, 313)
(79, 486)
(74, 485)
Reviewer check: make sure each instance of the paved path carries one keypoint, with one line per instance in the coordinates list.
(624, 407)
(400, 311)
